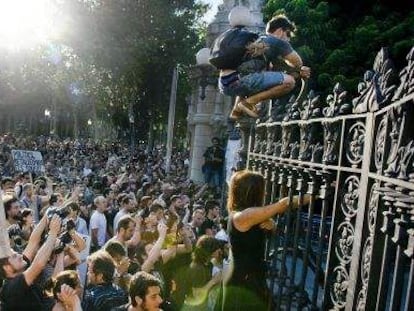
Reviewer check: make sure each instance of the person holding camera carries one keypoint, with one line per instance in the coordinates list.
(80, 223)
(19, 271)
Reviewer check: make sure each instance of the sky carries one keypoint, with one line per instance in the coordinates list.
(213, 10)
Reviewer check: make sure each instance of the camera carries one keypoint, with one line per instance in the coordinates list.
(65, 238)
(62, 212)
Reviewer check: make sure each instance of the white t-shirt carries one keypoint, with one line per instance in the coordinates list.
(98, 221)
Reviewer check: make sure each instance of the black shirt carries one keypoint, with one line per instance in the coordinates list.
(16, 295)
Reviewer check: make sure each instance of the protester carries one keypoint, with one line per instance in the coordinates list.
(19, 271)
(102, 294)
(67, 291)
(155, 236)
(98, 223)
(251, 78)
(214, 164)
(144, 293)
(199, 279)
(245, 288)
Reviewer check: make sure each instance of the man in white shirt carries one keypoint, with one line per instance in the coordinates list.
(97, 223)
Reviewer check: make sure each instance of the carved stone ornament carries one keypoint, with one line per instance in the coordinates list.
(375, 91)
(355, 143)
(406, 86)
(336, 103)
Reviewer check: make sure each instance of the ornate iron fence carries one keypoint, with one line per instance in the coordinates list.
(352, 247)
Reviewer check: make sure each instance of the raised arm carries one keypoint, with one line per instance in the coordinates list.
(294, 60)
(43, 255)
(251, 216)
(155, 252)
(34, 240)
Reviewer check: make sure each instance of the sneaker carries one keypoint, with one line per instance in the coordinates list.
(249, 109)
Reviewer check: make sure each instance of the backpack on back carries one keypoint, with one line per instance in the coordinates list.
(229, 49)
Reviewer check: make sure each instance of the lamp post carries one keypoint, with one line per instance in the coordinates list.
(89, 123)
(48, 118)
(131, 120)
(204, 71)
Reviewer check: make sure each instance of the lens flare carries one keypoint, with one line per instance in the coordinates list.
(27, 23)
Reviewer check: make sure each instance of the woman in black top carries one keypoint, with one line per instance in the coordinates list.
(245, 287)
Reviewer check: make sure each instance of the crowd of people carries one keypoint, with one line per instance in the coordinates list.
(106, 227)
(113, 212)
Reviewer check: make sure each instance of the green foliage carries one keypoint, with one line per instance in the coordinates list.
(340, 39)
(117, 55)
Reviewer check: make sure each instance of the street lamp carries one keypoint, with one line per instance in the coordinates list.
(48, 117)
(204, 70)
(131, 120)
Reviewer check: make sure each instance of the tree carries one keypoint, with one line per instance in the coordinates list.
(339, 39)
(114, 59)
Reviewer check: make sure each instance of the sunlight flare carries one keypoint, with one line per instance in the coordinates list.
(26, 23)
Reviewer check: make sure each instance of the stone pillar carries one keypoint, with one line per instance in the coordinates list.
(203, 132)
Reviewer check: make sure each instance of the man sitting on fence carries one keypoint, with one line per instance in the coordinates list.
(249, 81)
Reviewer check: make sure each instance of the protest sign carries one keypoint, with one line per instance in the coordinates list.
(28, 161)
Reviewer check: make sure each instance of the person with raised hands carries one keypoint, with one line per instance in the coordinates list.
(19, 271)
(245, 285)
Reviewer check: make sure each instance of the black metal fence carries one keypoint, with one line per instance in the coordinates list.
(352, 247)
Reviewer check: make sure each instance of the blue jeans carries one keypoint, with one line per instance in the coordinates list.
(212, 177)
(249, 84)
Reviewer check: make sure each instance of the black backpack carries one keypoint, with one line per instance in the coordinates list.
(229, 49)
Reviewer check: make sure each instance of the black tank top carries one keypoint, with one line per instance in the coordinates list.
(248, 253)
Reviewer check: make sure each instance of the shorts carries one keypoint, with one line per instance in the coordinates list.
(236, 85)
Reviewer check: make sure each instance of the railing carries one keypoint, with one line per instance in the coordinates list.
(352, 247)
